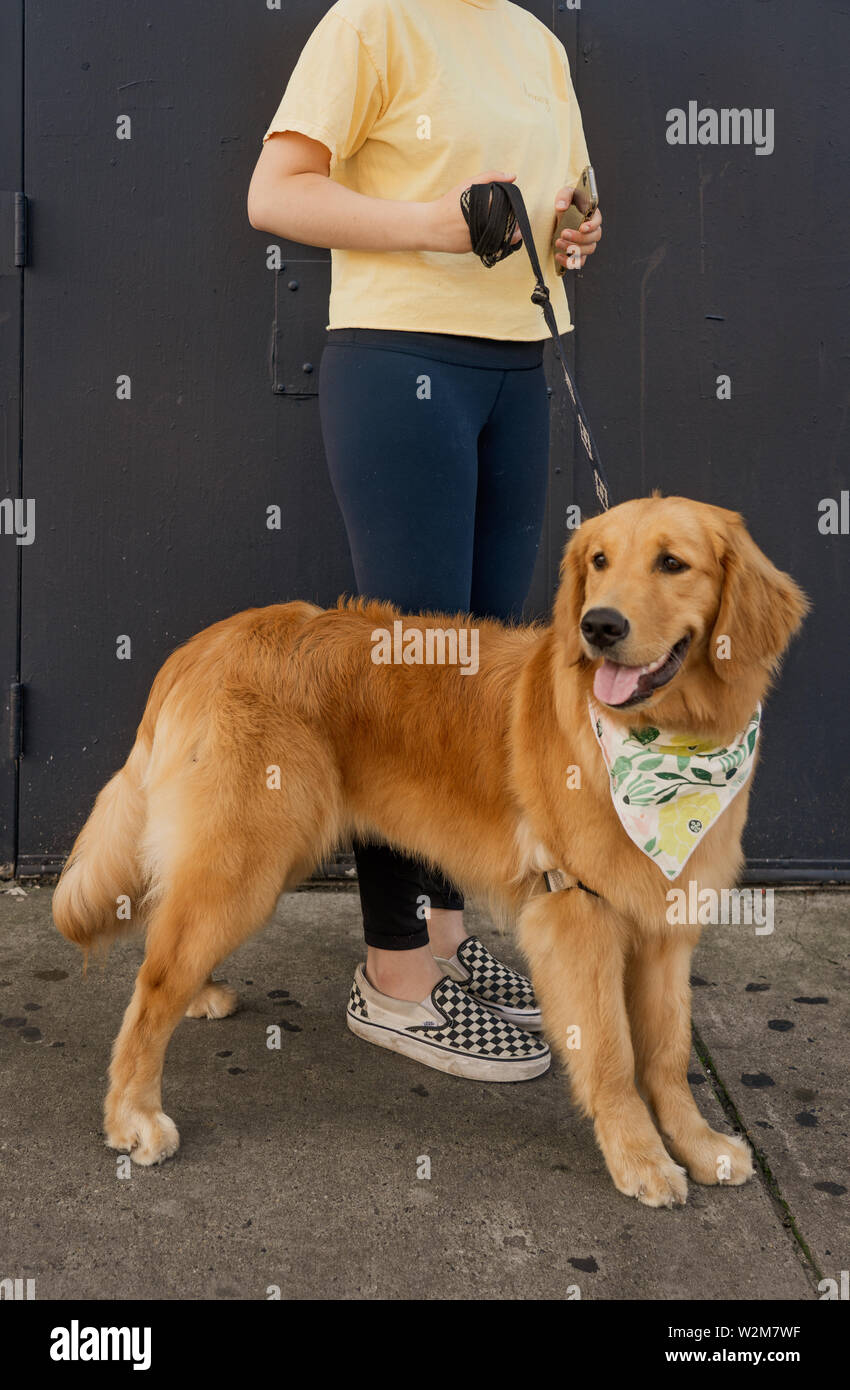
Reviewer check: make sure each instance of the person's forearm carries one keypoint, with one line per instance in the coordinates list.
(314, 209)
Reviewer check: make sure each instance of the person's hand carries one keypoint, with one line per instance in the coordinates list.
(447, 229)
(573, 248)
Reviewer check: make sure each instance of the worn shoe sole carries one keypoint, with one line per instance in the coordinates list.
(442, 1058)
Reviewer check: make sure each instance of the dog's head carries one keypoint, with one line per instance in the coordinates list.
(674, 613)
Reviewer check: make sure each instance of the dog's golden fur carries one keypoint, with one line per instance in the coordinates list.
(467, 772)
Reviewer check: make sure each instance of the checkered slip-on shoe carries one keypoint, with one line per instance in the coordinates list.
(506, 993)
(449, 1031)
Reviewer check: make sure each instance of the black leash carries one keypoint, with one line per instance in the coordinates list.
(493, 211)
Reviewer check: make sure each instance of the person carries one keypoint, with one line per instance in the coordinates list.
(433, 403)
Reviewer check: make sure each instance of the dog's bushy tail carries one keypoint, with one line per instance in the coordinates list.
(96, 896)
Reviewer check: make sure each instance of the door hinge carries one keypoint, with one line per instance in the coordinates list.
(14, 208)
(22, 247)
(16, 720)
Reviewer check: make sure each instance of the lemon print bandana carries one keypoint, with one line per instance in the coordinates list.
(668, 790)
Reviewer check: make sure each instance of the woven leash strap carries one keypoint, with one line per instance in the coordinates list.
(493, 211)
(491, 221)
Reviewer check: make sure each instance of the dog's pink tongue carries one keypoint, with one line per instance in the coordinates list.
(615, 684)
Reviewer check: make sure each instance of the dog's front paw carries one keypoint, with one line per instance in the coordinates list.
(213, 1001)
(715, 1159)
(655, 1181)
(148, 1136)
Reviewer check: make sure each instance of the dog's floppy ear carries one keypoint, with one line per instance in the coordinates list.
(760, 607)
(570, 600)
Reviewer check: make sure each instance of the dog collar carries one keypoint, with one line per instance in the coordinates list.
(667, 789)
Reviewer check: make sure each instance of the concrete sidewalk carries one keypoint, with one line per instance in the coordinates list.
(298, 1166)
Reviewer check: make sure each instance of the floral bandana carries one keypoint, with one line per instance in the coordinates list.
(668, 792)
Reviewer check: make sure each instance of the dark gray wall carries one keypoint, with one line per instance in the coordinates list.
(720, 261)
(11, 175)
(151, 513)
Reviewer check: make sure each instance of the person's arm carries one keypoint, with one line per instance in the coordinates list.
(292, 195)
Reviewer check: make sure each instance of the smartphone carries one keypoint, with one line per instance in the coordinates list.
(584, 204)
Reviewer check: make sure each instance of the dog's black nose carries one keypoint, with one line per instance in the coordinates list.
(604, 626)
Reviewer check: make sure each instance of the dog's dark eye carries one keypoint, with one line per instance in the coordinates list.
(670, 565)
(599, 561)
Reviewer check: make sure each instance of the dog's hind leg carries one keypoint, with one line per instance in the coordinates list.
(200, 918)
(575, 945)
(659, 1003)
(228, 830)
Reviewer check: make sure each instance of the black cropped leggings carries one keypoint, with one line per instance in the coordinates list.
(437, 447)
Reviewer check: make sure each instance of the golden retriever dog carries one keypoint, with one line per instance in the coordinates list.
(668, 616)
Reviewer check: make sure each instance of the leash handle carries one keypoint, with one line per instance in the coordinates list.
(540, 295)
(490, 220)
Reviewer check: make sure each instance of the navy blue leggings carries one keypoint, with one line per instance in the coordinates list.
(437, 447)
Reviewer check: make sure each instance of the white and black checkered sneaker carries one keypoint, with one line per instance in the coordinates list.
(502, 990)
(449, 1031)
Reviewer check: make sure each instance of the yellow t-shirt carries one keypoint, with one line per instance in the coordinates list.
(411, 97)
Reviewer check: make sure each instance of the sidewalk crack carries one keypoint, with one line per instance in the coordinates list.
(769, 1182)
